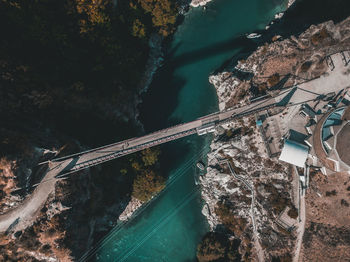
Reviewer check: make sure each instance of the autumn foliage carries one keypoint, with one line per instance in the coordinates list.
(163, 12)
(234, 223)
(147, 184)
(320, 36)
(217, 247)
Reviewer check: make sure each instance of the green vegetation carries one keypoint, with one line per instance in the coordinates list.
(72, 46)
(138, 29)
(320, 36)
(305, 66)
(235, 224)
(283, 258)
(150, 156)
(217, 247)
(72, 68)
(344, 203)
(262, 88)
(163, 14)
(81, 56)
(331, 193)
(69, 72)
(273, 80)
(293, 212)
(147, 182)
(278, 200)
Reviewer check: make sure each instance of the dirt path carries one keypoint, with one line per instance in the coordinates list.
(259, 250)
(25, 214)
(301, 229)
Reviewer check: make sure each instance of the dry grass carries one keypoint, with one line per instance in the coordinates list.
(327, 219)
(7, 181)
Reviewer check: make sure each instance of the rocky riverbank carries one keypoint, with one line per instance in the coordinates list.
(197, 3)
(251, 216)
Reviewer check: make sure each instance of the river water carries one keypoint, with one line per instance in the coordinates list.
(172, 225)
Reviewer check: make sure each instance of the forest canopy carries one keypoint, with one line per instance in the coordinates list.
(81, 56)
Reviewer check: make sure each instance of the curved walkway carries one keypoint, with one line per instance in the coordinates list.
(317, 143)
(259, 250)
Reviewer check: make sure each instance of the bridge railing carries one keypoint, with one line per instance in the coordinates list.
(117, 143)
(121, 153)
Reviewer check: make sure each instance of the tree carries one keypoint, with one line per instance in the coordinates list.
(146, 185)
(163, 12)
(293, 212)
(216, 246)
(235, 224)
(320, 36)
(274, 79)
(92, 13)
(136, 166)
(212, 247)
(150, 156)
(138, 29)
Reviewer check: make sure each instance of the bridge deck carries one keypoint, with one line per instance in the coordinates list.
(106, 153)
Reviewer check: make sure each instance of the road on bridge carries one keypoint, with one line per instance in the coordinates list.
(23, 215)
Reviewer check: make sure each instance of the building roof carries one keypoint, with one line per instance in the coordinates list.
(294, 153)
(308, 110)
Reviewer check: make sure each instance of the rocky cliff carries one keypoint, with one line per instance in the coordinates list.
(245, 190)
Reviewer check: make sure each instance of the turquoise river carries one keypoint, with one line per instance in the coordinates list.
(170, 227)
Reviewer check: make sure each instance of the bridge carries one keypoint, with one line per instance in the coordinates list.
(201, 126)
(22, 216)
(58, 168)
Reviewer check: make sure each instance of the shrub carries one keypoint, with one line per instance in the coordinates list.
(305, 66)
(163, 12)
(264, 49)
(212, 247)
(29, 239)
(273, 80)
(293, 212)
(150, 156)
(345, 203)
(262, 87)
(331, 193)
(235, 224)
(217, 247)
(138, 29)
(45, 249)
(320, 36)
(283, 258)
(277, 200)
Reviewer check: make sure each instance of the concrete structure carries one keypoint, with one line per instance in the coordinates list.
(310, 119)
(294, 153)
(332, 142)
(200, 126)
(285, 221)
(296, 114)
